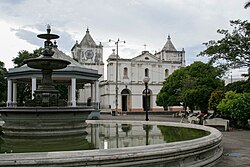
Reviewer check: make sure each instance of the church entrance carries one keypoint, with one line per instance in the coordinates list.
(146, 100)
(125, 99)
(124, 103)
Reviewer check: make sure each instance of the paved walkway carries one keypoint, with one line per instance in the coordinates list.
(236, 143)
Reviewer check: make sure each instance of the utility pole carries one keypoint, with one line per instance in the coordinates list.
(116, 76)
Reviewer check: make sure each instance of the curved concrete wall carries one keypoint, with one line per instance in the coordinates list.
(203, 151)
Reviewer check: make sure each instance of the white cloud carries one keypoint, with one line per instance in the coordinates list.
(11, 44)
(138, 22)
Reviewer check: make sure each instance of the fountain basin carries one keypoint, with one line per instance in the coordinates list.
(44, 121)
(204, 151)
(47, 63)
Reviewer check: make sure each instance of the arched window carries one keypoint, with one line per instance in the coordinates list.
(166, 73)
(146, 72)
(125, 72)
(125, 91)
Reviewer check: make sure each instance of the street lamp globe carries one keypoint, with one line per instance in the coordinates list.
(146, 80)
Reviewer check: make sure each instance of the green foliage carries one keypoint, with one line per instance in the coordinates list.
(63, 90)
(236, 106)
(233, 49)
(3, 83)
(169, 95)
(215, 99)
(239, 86)
(24, 54)
(23, 93)
(192, 85)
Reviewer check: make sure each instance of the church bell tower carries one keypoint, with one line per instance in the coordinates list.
(89, 54)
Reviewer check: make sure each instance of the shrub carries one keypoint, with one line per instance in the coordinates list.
(236, 106)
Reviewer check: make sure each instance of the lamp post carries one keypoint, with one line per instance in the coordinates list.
(116, 76)
(146, 80)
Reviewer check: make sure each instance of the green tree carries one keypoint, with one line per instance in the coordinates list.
(3, 83)
(24, 54)
(236, 106)
(63, 89)
(233, 50)
(192, 85)
(215, 99)
(169, 95)
(239, 87)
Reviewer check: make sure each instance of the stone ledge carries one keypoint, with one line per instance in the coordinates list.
(203, 151)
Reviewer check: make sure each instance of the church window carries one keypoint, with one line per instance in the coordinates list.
(166, 73)
(146, 58)
(125, 72)
(146, 72)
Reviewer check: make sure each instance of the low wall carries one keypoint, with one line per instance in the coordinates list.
(203, 151)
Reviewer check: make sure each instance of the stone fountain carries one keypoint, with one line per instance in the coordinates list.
(47, 95)
(46, 114)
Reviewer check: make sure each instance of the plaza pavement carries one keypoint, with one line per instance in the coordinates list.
(236, 142)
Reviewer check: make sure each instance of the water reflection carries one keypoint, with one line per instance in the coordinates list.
(44, 144)
(173, 134)
(147, 128)
(101, 136)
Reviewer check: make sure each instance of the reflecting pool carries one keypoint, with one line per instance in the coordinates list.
(102, 136)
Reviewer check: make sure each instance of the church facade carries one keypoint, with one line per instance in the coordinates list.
(131, 73)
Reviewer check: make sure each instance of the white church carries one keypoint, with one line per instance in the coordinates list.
(131, 72)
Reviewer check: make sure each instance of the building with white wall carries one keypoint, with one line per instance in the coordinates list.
(131, 72)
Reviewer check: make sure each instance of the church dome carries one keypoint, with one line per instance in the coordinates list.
(113, 55)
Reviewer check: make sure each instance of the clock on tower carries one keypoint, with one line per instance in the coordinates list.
(89, 54)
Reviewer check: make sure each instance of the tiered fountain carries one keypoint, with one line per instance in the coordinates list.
(47, 95)
(45, 115)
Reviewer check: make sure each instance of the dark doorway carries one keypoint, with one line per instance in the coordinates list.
(124, 102)
(125, 99)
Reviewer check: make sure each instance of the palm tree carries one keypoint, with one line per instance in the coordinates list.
(247, 5)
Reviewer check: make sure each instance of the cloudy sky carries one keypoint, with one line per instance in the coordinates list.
(189, 23)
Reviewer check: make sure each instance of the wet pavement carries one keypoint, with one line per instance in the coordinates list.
(236, 142)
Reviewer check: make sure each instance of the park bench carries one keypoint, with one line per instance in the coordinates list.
(217, 122)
